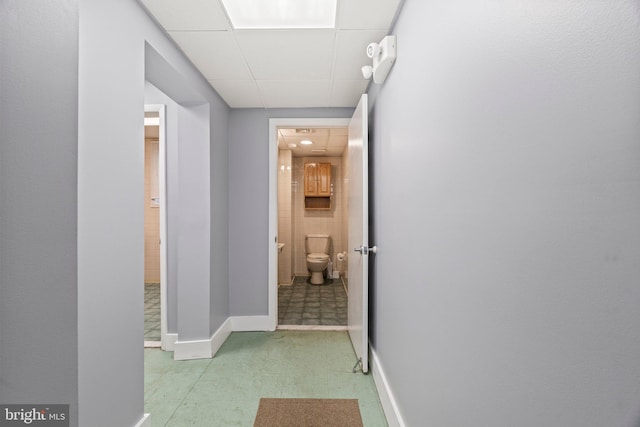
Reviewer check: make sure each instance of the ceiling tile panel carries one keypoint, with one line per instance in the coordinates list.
(238, 93)
(288, 54)
(346, 93)
(366, 14)
(188, 15)
(339, 132)
(278, 68)
(293, 93)
(338, 141)
(318, 140)
(305, 131)
(215, 53)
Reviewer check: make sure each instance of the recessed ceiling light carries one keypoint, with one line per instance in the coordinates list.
(306, 142)
(292, 145)
(281, 14)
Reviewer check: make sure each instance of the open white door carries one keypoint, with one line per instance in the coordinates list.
(358, 206)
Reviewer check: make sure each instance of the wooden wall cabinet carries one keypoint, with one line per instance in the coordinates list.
(317, 185)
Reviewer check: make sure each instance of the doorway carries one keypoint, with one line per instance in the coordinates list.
(290, 223)
(312, 218)
(358, 226)
(154, 226)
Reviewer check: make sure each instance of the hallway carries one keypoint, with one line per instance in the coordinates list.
(225, 391)
(503, 197)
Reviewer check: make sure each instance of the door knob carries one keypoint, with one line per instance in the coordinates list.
(364, 250)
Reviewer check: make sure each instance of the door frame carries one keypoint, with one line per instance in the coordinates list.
(162, 192)
(274, 124)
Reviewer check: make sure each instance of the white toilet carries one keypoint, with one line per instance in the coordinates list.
(317, 248)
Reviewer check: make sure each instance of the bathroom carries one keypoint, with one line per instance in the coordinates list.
(151, 230)
(300, 217)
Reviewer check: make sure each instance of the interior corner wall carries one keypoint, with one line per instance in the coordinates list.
(506, 188)
(249, 203)
(120, 46)
(209, 190)
(194, 273)
(219, 210)
(38, 194)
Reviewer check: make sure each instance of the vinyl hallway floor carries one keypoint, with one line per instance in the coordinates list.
(302, 303)
(225, 391)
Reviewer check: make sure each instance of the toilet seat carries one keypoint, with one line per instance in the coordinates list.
(318, 257)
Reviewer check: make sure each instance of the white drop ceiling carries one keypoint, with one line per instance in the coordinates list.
(278, 68)
(327, 142)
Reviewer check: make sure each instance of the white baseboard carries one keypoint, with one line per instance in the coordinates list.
(388, 401)
(145, 421)
(220, 336)
(202, 349)
(188, 350)
(250, 323)
(311, 328)
(169, 342)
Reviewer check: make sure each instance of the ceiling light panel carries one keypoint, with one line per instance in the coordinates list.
(281, 14)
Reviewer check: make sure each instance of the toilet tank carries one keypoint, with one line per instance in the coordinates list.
(317, 243)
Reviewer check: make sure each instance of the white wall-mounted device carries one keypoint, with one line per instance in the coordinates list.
(383, 55)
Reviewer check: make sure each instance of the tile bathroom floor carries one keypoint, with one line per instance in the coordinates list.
(302, 303)
(152, 312)
(225, 391)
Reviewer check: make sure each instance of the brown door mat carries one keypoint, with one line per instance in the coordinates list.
(308, 413)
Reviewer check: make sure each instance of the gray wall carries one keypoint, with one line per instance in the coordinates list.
(120, 46)
(198, 255)
(193, 224)
(506, 200)
(219, 210)
(249, 203)
(38, 221)
(217, 264)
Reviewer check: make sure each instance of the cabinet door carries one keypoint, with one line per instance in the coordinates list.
(310, 179)
(324, 180)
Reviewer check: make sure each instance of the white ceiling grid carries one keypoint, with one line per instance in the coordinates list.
(278, 68)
